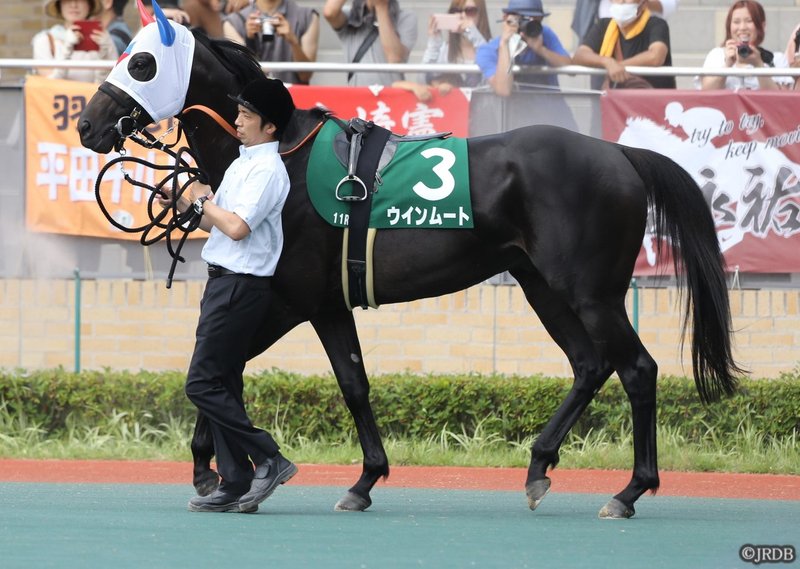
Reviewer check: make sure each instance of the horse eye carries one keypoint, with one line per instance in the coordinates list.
(142, 66)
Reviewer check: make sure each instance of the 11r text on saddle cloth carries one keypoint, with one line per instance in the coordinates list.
(424, 186)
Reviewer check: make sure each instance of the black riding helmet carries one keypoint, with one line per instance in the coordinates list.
(270, 99)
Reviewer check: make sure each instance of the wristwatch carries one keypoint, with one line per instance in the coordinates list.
(198, 204)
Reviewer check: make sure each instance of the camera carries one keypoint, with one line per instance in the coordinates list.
(744, 50)
(267, 29)
(797, 41)
(530, 28)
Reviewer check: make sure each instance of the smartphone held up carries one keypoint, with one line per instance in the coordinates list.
(447, 22)
(86, 29)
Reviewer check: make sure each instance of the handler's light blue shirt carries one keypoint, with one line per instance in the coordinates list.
(255, 187)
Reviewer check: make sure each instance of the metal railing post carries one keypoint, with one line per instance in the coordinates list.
(77, 274)
(635, 287)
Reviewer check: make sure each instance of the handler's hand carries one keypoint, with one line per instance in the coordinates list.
(198, 190)
(165, 198)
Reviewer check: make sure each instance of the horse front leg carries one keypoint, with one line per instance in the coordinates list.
(337, 332)
(204, 478)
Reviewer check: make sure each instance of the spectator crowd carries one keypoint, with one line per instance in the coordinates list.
(614, 35)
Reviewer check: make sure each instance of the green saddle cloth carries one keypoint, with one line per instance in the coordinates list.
(424, 186)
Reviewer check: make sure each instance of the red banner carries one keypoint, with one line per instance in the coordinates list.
(743, 149)
(394, 109)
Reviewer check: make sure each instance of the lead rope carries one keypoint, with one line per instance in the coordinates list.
(185, 222)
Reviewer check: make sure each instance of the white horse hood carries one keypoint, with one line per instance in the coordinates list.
(164, 95)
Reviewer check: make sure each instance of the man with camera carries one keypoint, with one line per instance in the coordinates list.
(523, 41)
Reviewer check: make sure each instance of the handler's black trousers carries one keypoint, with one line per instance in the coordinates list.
(231, 311)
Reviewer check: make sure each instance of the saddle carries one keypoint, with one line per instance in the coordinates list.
(364, 149)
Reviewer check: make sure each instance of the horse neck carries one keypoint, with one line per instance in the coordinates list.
(300, 126)
(209, 87)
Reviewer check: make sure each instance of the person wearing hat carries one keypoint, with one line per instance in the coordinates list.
(63, 41)
(631, 37)
(523, 41)
(243, 218)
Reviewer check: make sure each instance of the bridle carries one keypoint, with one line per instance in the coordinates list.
(133, 127)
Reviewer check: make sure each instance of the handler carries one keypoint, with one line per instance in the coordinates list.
(245, 242)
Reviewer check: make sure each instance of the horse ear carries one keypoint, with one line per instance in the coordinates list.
(164, 26)
(144, 14)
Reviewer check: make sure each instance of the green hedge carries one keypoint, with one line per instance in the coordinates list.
(405, 405)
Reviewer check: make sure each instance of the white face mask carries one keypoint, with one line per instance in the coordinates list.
(624, 14)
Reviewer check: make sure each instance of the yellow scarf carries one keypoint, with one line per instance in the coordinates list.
(612, 33)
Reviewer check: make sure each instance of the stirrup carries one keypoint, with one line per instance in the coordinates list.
(354, 197)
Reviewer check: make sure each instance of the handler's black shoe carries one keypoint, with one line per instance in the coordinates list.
(268, 476)
(220, 501)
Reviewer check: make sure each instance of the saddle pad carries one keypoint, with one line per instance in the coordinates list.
(425, 186)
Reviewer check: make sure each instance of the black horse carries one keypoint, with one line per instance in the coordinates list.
(565, 214)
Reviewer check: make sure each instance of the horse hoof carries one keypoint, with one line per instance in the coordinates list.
(206, 483)
(536, 491)
(352, 503)
(616, 510)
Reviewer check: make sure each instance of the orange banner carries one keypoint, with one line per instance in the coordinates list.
(61, 174)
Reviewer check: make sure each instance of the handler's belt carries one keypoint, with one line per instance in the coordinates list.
(215, 271)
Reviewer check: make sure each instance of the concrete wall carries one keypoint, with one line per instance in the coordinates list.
(142, 325)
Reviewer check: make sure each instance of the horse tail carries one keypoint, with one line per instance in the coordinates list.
(680, 215)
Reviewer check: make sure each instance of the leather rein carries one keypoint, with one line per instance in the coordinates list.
(216, 117)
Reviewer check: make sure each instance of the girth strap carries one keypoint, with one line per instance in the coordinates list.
(372, 141)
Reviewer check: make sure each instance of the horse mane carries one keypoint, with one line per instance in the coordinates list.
(234, 57)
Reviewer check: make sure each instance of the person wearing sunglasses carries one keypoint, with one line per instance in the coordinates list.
(456, 40)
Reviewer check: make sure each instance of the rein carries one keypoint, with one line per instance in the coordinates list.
(230, 130)
(186, 222)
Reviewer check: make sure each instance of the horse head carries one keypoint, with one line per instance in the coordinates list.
(148, 84)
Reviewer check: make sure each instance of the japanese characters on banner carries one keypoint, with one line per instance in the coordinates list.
(393, 109)
(61, 174)
(743, 150)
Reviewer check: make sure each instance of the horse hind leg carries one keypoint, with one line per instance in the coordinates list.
(337, 332)
(590, 373)
(615, 338)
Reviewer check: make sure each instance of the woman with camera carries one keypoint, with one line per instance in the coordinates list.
(745, 27)
(277, 30)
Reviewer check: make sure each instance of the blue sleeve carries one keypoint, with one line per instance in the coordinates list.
(552, 42)
(486, 58)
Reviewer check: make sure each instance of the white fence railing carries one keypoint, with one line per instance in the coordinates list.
(328, 67)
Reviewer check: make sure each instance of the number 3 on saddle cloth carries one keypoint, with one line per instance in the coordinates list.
(425, 185)
(418, 184)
